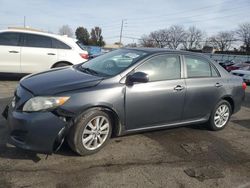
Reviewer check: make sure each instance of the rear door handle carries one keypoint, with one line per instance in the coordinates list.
(218, 85)
(51, 54)
(13, 51)
(178, 88)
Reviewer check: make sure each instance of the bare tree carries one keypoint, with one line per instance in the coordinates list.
(66, 30)
(193, 38)
(223, 40)
(131, 45)
(147, 41)
(176, 36)
(244, 34)
(159, 39)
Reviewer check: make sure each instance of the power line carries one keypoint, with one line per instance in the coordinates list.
(187, 17)
(5, 24)
(136, 29)
(194, 21)
(181, 12)
(169, 14)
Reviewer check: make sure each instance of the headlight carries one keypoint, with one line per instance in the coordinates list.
(43, 103)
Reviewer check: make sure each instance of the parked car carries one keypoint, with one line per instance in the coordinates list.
(226, 64)
(246, 79)
(244, 73)
(88, 103)
(26, 51)
(93, 51)
(237, 66)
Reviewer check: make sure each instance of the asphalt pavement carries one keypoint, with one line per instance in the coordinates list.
(183, 157)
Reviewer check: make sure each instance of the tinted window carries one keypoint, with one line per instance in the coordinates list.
(164, 67)
(9, 39)
(197, 68)
(59, 45)
(38, 41)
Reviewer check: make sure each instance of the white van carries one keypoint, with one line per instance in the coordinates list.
(28, 51)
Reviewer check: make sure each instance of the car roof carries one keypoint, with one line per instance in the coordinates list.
(166, 50)
(30, 31)
(68, 40)
(159, 50)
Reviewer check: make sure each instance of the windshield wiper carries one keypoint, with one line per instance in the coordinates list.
(91, 71)
(88, 70)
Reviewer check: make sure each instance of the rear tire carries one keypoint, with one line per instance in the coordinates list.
(90, 133)
(220, 116)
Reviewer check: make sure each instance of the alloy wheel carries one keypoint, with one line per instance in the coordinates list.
(221, 115)
(95, 132)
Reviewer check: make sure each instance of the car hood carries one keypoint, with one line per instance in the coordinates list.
(59, 80)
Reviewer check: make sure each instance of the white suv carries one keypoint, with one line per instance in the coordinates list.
(26, 51)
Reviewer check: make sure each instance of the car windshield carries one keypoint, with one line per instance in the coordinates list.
(112, 63)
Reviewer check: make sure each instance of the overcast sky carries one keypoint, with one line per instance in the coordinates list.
(141, 16)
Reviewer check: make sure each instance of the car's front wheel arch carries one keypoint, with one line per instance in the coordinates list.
(90, 131)
(111, 115)
(117, 125)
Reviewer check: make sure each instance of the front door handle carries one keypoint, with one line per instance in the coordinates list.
(13, 51)
(51, 54)
(218, 85)
(178, 88)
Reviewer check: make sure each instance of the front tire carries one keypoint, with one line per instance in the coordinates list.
(90, 133)
(220, 116)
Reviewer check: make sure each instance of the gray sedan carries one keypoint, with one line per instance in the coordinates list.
(121, 92)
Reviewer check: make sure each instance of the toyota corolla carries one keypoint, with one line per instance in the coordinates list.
(121, 92)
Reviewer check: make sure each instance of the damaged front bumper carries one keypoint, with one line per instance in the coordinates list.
(41, 132)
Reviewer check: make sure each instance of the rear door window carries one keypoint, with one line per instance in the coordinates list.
(197, 68)
(9, 39)
(59, 45)
(38, 41)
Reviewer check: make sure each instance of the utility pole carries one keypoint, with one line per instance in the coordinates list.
(24, 21)
(120, 42)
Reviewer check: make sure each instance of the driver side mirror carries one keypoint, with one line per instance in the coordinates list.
(139, 77)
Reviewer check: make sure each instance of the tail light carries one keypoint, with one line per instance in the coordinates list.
(84, 56)
(244, 85)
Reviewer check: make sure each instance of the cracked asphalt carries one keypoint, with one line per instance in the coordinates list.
(183, 157)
